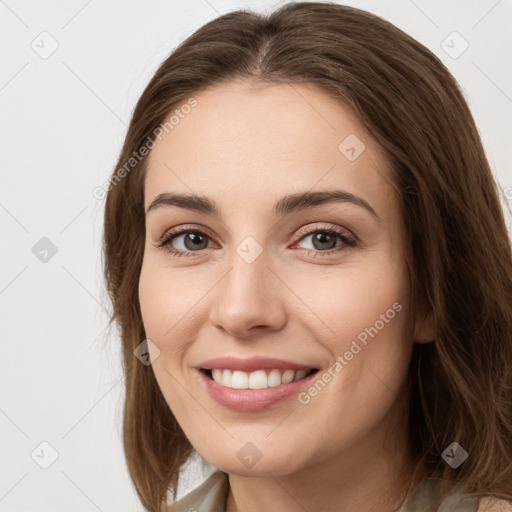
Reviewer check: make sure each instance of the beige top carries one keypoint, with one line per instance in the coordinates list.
(211, 496)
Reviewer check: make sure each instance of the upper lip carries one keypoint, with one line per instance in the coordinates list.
(251, 364)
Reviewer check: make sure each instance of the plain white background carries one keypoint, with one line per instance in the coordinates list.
(63, 119)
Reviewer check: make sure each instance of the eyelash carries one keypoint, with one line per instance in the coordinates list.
(165, 242)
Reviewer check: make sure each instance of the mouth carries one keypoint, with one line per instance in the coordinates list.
(253, 384)
(259, 379)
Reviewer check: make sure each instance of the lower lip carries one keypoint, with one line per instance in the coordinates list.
(252, 399)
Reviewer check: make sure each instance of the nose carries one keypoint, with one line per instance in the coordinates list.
(248, 300)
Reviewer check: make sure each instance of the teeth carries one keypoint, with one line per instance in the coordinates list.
(240, 380)
(273, 378)
(287, 376)
(258, 379)
(227, 377)
(300, 375)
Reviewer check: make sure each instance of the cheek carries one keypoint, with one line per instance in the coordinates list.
(172, 303)
(364, 324)
(163, 302)
(167, 300)
(362, 316)
(347, 300)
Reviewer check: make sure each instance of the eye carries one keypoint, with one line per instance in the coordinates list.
(188, 240)
(324, 240)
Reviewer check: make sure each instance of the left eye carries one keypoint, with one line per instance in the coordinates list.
(325, 240)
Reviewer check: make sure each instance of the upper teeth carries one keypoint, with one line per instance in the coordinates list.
(258, 379)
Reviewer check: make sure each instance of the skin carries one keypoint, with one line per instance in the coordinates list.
(245, 147)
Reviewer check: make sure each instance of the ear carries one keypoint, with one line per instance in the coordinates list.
(424, 330)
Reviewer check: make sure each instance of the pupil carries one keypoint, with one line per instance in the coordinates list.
(320, 238)
(195, 240)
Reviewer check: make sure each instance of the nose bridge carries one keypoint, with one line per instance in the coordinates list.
(248, 296)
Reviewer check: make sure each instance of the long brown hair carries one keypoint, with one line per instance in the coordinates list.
(457, 246)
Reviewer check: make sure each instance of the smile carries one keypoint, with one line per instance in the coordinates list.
(259, 379)
(253, 384)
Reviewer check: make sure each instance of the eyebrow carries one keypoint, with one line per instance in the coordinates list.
(286, 205)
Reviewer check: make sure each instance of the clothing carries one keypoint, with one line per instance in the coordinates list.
(211, 496)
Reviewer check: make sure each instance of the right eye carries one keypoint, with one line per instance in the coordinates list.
(191, 241)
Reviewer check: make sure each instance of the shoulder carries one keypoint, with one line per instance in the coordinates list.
(489, 504)
(210, 496)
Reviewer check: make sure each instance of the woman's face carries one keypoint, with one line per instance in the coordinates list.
(271, 281)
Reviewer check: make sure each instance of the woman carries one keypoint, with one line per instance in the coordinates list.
(312, 275)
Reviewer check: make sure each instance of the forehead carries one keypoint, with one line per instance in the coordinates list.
(262, 141)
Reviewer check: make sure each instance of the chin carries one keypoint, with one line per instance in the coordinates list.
(249, 460)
